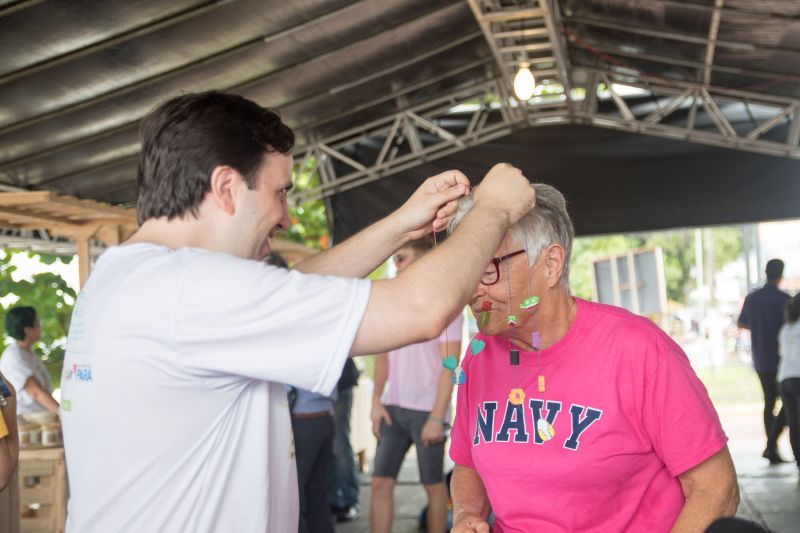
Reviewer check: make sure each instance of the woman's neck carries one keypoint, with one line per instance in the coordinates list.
(25, 344)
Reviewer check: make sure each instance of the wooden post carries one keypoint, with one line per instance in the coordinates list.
(109, 234)
(84, 259)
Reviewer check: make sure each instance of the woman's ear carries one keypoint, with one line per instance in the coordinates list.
(554, 264)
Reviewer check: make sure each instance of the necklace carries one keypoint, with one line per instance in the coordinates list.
(450, 362)
(516, 395)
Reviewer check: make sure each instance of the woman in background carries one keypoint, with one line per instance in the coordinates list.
(22, 367)
(789, 371)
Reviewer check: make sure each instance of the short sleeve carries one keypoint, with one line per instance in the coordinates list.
(254, 320)
(678, 415)
(744, 316)
(15, 368)
(453, 332)
(460, 440)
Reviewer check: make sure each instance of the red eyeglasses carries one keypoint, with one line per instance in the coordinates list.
(492, 273)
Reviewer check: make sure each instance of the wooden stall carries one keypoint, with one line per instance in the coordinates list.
(70, 217)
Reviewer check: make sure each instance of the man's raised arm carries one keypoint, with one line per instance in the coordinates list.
(425, 297)
(431, 206)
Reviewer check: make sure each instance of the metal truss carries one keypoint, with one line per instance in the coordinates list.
(526, 32)
(708, 112)
(420, 134)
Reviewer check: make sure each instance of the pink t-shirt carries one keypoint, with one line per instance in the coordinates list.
(414, 371)
(629, 416)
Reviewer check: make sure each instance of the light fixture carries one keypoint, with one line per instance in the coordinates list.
(524, 83)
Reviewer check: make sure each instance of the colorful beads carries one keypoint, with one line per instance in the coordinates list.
(545, 430)
(450, 362)
(476, 346)
(516, 396)
(529, 302)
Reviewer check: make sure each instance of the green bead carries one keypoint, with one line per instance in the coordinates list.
(450, 362)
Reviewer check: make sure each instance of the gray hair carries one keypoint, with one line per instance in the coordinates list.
(547, 223)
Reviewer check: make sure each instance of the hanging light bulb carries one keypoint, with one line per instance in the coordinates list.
(524, 83)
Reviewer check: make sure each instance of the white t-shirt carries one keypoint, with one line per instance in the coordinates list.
(174, 412)
(789, 348)
(17, 365)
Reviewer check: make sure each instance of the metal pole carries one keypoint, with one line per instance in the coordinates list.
(698, 265)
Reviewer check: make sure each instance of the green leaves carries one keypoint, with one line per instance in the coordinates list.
(53, 300)
(679, 255)
(309, 222)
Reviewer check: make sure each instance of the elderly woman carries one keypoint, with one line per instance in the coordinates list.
(22, 367)
(577, 416)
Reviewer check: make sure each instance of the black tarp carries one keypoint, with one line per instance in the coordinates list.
(614, 181)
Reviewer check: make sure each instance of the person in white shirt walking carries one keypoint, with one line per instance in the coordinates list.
(789, 371)
(174, 411)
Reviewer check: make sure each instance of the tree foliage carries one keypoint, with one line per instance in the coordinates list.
(678, 248)
(309, 221)
(52, 298)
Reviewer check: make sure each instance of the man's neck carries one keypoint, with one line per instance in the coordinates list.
(176, 234)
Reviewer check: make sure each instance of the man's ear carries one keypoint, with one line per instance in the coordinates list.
(225, 182)
(554, 263)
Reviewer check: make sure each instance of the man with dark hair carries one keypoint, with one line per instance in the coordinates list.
(762, 314)
(174, 413)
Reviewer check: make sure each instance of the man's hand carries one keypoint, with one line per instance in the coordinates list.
(379, 413)
(432, 204)
(432, 433)
(505, 189)
(470, 524)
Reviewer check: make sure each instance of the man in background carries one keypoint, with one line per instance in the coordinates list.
(762, 314)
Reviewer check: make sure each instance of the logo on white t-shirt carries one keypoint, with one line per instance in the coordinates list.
(79, 373)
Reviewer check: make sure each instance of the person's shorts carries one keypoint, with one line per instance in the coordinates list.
(397, 439)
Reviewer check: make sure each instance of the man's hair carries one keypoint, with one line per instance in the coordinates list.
(792, 309)
(17, 319)
(548, 223)
(185, 138)
(774, 269)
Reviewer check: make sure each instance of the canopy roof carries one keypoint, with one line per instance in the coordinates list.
(405, 82)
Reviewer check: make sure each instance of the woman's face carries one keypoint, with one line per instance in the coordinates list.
(404, 257)
(518, 281)
(33, 333)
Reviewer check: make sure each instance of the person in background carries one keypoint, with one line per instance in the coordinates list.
(789, 371)
(312, 426)
(22, 367)
(9, 439)
(414, 410)
(343, 478)
(762, 314)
